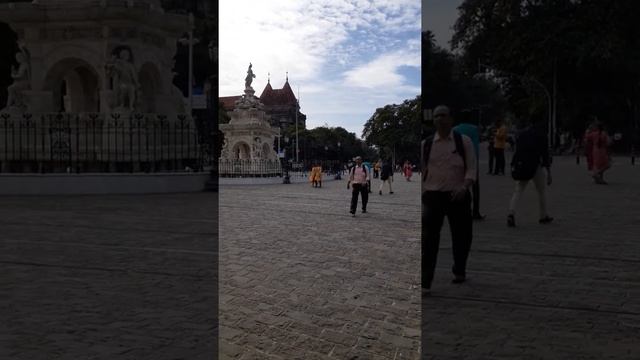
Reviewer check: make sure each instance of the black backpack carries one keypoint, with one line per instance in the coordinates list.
(426, 151)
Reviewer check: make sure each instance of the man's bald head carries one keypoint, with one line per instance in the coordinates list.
(442, 119)
(441, 110)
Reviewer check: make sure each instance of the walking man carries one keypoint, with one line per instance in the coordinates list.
(531, 161)
(386, 176)
(358, 179)
(466, 127)
(449, 165)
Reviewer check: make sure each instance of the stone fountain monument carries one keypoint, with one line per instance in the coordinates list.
(93, 90)
(98, 56)
(249, 135)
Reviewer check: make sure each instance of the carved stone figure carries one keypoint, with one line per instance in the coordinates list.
(249, 79)
(224, 154)
(256, 148)
(21, 81)
(125, 80)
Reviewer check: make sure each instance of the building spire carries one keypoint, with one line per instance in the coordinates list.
(269, 78)
(287, 77)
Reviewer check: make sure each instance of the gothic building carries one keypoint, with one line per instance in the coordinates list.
(280, 104)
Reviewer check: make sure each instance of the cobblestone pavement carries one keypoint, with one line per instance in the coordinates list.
(133, 277)
(302, 279)
(568, 290)
(108, 277)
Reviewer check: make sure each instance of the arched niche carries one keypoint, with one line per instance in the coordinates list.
(241, 151)
(151, 87)
(75, 86)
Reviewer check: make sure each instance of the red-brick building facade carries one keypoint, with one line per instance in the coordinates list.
(280, 104)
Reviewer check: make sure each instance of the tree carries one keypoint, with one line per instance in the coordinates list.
(396, 130)
(446, 81)
(589, 51)
(312, 144)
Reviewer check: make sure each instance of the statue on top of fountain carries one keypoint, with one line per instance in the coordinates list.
(249, 79)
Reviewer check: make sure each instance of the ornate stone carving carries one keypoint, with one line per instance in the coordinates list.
(21, 81)
(225, 149)
(125, 80)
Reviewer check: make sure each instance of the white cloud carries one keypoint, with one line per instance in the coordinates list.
(382, 71)
(316, 41)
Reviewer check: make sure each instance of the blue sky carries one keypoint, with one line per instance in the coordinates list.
(346, 57)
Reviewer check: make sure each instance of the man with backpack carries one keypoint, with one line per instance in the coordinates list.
(359, 182)
(449, 165)
(386, 176)
(531, 162)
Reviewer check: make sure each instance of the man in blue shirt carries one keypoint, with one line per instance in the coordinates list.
(466, 127)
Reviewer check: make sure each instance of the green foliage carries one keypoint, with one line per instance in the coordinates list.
(396, 130)
(592, 48)
(446, 81)
(312, 144)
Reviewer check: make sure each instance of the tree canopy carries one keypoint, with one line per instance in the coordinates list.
(321, 143)
(589, 50)
(446, 81)
(395, 130)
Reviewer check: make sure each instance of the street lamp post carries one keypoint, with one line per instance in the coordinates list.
(297, 109)
(550, 135)
(339, 172)
(286, 179)
(190, 41)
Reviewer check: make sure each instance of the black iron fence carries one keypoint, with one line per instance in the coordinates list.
(328, 166)
(249, 168)
(92, 142)
(302, 169)
(274, 168)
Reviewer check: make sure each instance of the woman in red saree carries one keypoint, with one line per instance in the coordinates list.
(597, 143)
(408, 170)
(588, 146)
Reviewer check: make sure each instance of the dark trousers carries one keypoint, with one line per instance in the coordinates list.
(491, 158)
(363, 190)
(500, 162)
(435, 206)
(476, 194)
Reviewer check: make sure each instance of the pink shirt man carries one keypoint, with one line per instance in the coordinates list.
(445, 170)
(359, 175)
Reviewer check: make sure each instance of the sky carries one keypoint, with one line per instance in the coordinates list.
(439, 16)
(345, 58)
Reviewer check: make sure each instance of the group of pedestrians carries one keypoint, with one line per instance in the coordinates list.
(450, 183)
(315, 177)
(450, 180)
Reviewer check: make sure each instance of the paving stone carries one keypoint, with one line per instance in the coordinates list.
(118, 277)
(333, 274)
(544, 292)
